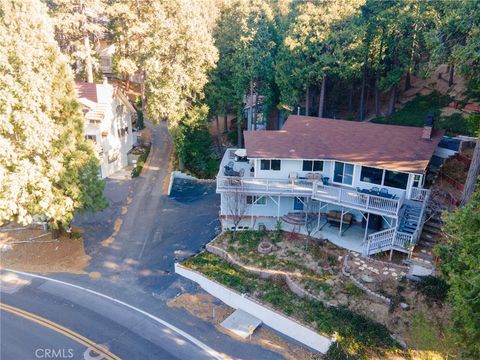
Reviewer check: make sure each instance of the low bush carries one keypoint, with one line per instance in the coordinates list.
(193, 143)
(435, 289)
(357, 336)
(137, 170)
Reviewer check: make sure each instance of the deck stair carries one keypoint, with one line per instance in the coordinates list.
(410, 219)
(297, 218)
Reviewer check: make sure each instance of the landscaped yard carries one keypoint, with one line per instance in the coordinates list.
(416, 111)
(362, 324)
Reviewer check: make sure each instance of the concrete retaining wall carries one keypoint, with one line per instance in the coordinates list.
(267, 315)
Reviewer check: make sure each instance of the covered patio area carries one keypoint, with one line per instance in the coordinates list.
(352, 239)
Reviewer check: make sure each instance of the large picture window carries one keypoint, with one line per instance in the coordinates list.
(396, 179)
(371, 175)
(312, 165)
(270, 164)
(343, 173)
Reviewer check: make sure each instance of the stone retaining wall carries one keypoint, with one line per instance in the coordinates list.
(265, 273)
(359, 285)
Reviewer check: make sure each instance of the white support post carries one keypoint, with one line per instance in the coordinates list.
(341, 223)
(278, 208)
(366, 227)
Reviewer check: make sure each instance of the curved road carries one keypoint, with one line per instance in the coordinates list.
(133, 245)
(42, 317)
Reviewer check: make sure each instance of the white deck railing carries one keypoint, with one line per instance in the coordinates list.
(353, 198)
(419, 194)
(264, 186)
(393, 239)
(338, 195)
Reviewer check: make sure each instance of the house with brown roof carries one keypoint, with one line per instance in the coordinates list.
(108, 123)
(357, 184)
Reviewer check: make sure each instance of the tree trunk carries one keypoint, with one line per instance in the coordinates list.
(219, 141)
(350, 98)
(450, 77)
(225, 123)
(391, 104)
(88, 59)
(362, 94)
(472, 176)
(250, 109)
(307, 101)
(239, 130)
(321, 103)
(408, 81)
(142, 88)
(255, 118)
(127, 82)
(377, 99)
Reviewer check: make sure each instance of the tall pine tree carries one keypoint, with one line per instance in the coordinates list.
(46, 166)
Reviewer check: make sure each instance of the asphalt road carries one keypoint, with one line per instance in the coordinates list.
(133, 245)
(71, 319)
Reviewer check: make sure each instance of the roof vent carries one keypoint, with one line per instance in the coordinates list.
(428, 127)
(292, 151)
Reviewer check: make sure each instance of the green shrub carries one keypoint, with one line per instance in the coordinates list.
(193, 143)
(435, 289)
(137, 170)
(232, 137)
(140, 121)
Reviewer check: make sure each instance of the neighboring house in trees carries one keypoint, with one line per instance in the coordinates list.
(362, 183)
(108, 122)
(105, 53)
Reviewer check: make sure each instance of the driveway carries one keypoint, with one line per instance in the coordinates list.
(136, 240)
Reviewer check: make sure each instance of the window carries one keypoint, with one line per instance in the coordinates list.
(371, 175)
(256, 200)
(395, 179)
(312, 165)
(91, 137)
(416, 180)
(122, 132)
(270, 164)
(343, 173)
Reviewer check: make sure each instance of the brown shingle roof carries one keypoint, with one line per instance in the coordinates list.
(86, 90)
(386, 146)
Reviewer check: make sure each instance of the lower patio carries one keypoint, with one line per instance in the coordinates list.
(352, 238)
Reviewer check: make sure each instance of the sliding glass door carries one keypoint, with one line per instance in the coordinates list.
(343, 173)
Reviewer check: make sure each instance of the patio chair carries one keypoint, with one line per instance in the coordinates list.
(375, 189)
(293, 176)
(384, 192)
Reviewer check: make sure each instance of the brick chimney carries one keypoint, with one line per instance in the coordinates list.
(428, 127)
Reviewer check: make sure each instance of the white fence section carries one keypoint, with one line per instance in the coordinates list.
(357, 200)
(270, 317)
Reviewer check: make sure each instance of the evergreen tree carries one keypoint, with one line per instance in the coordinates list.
(46, 168)
(79, 24)
(176, 55)
(461, 267)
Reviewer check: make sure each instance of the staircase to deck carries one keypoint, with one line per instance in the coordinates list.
(404, 236)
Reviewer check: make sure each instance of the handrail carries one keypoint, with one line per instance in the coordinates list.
(316, 189)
